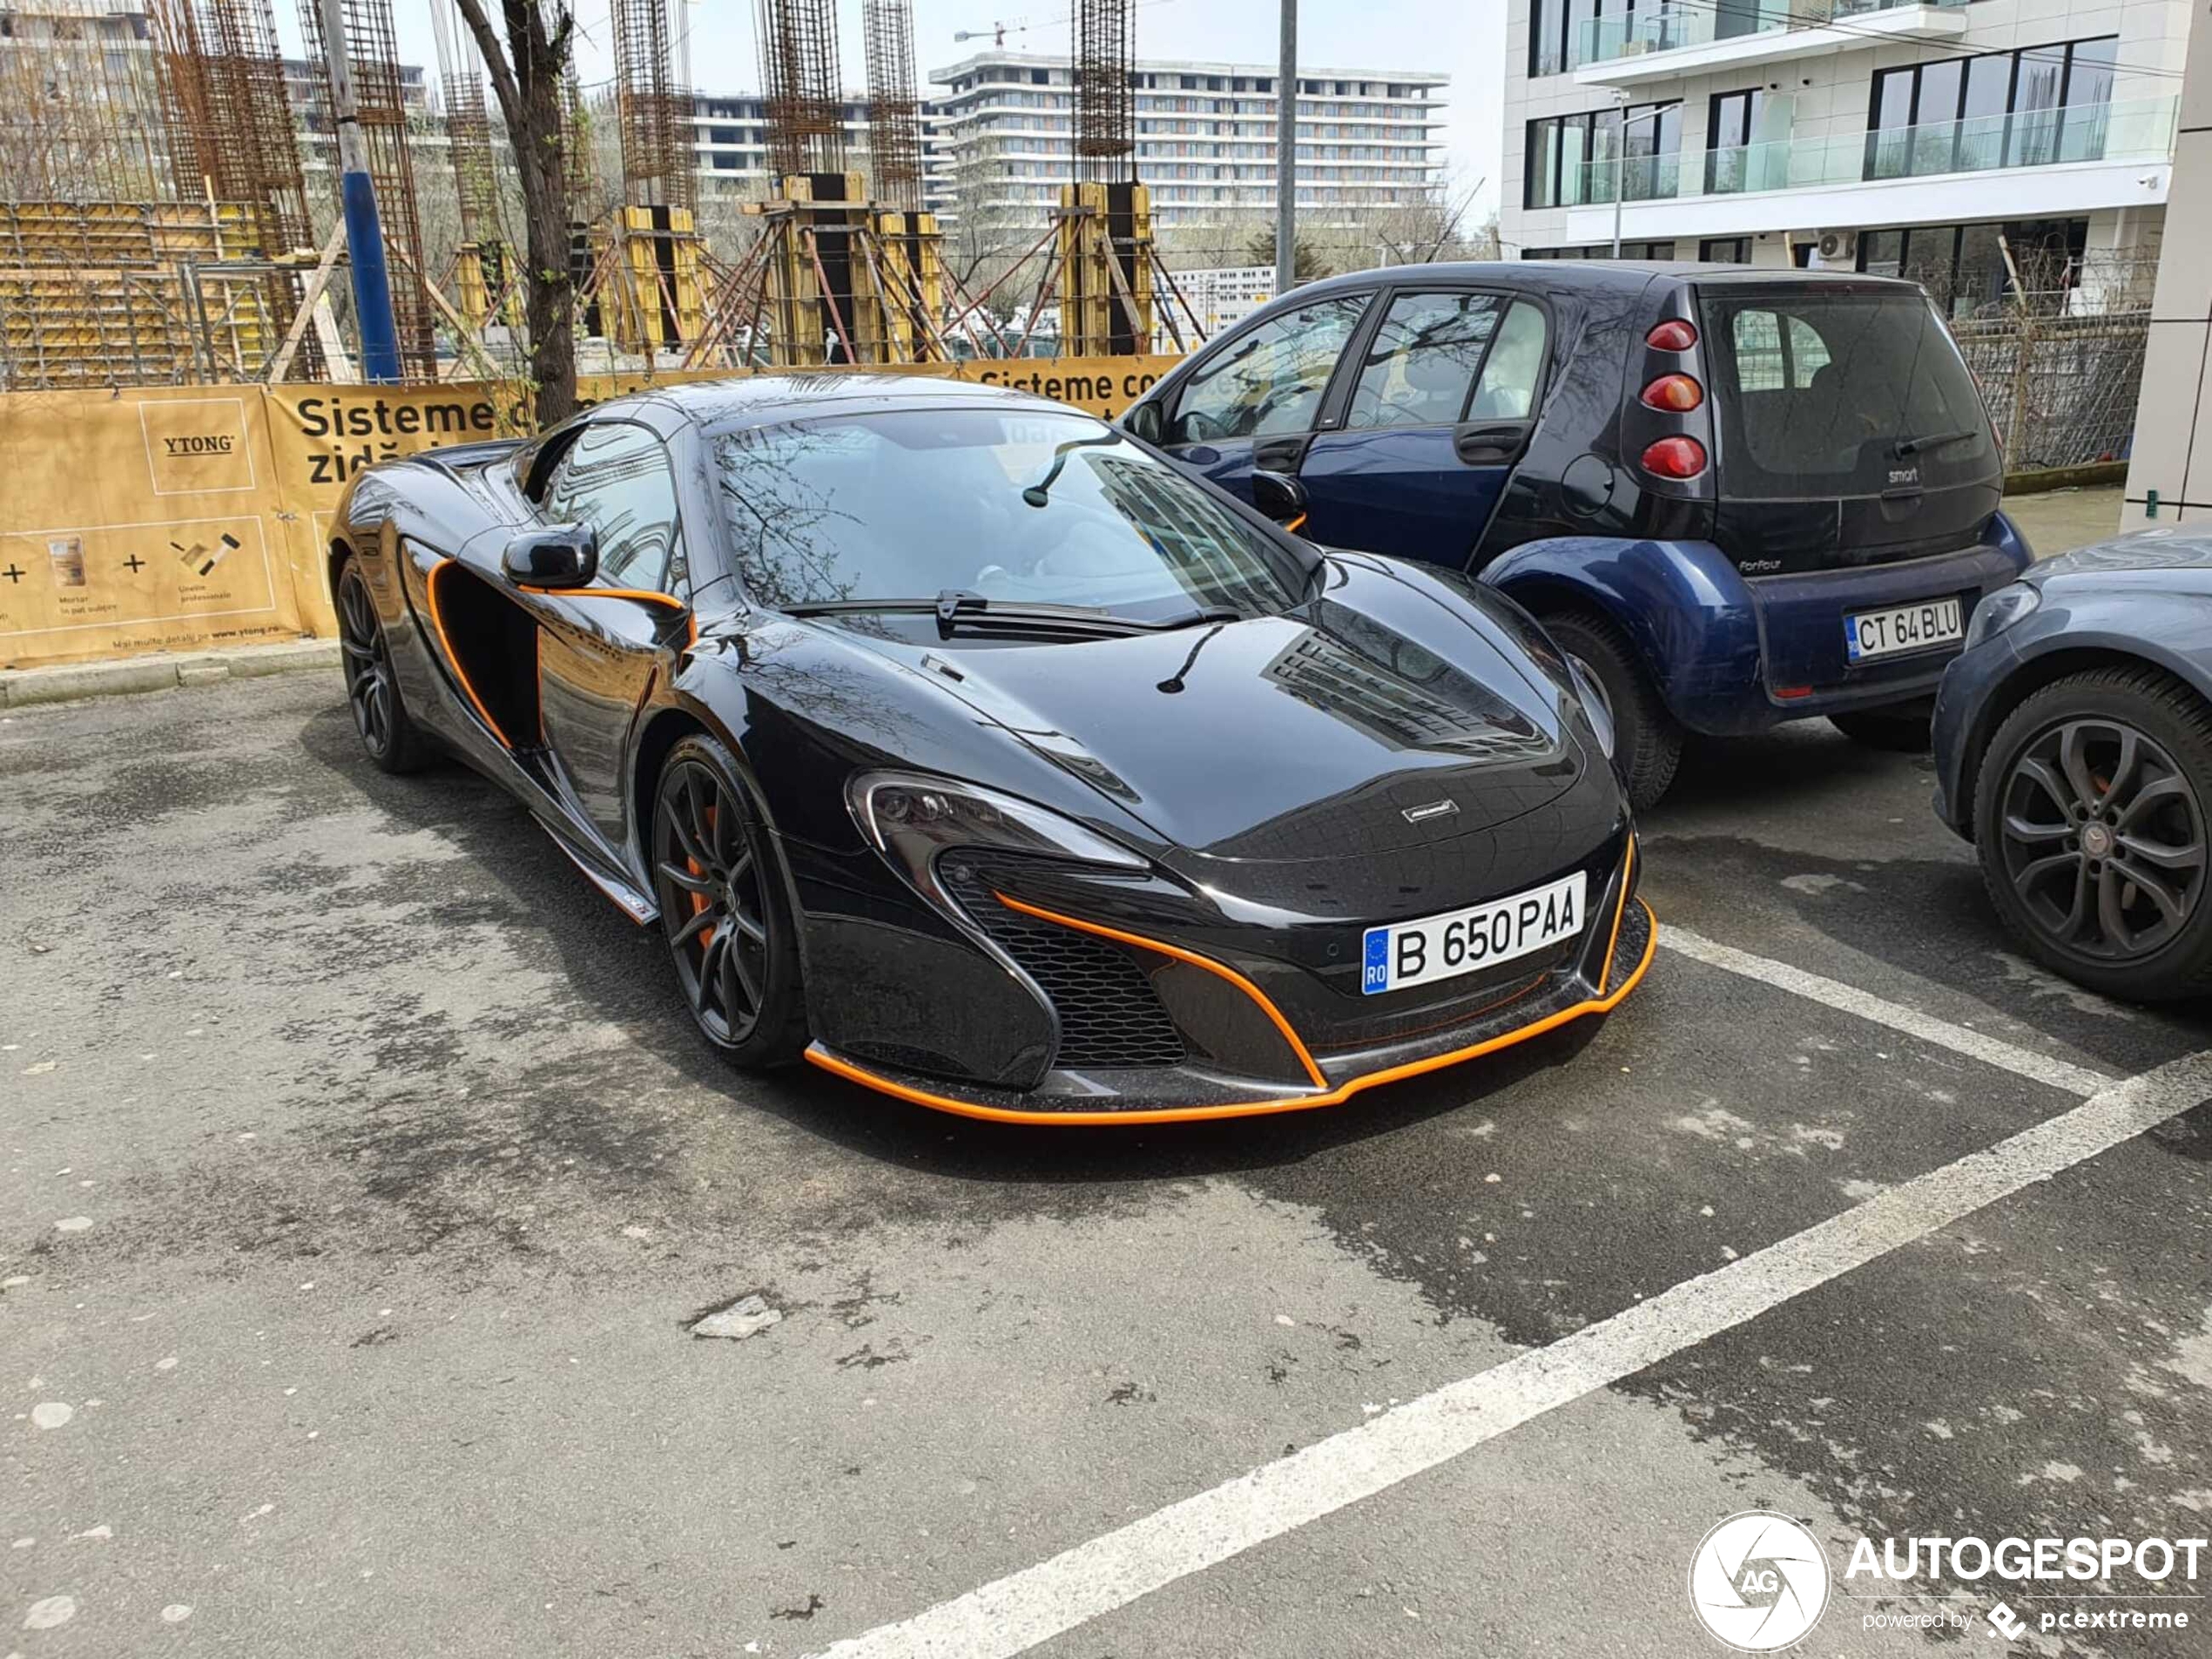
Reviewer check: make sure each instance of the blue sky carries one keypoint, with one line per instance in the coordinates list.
(1466, 40)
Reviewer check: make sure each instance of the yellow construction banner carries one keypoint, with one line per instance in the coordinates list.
(138, 521)
(178, 518)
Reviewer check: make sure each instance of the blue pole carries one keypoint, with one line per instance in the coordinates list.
(372, 282)
(364, 231)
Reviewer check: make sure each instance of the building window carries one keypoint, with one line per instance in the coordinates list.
(1963, 267)
(1571, 158)
(1724, 249)
(2019, 109)
(1731, 119)
(1660, 251)
(1561, 32)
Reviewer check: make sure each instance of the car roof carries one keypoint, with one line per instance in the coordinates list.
(752, 398)
(1588, 275)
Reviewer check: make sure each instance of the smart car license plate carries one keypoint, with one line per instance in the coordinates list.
(1889, 633)
(1461, 942)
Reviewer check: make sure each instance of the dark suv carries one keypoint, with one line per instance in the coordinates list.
(1735, 497)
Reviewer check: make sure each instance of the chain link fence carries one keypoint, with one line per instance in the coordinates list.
(2060, 357)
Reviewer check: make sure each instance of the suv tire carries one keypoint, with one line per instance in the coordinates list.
(2158, 801)
(1647, 741)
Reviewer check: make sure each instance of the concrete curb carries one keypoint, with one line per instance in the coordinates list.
(66, 682)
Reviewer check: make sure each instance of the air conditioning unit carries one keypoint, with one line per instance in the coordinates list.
(1838, 247)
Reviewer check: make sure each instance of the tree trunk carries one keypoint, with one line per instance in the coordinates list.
(550, 308)
(526, 75)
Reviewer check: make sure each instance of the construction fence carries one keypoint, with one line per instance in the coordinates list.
(2060, 390)
(167, 518)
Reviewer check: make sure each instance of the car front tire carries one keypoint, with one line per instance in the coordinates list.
(1646, 742)
(723, 908)
(2090, 820)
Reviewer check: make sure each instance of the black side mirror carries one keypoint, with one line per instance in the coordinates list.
(564, 555)
(1280, 496)
(1146, 421)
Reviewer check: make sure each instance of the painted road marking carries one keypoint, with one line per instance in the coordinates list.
(2042, 1069)
(1013, 1614)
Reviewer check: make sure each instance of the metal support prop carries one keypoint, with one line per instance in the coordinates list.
(364, 231)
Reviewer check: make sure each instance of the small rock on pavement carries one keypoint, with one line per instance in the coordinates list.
(53, 1611)
(746, 1317)
(51, 1414)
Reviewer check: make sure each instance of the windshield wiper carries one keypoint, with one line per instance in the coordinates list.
(1932, 441)
(957, 610)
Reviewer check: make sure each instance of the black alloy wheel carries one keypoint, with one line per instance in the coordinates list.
(721, 909)
(2092, 824)
(388, 734)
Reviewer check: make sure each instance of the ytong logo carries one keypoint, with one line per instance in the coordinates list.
(201, 443)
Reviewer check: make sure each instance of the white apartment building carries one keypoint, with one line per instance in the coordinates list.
(1205, 137)
(1926, 138)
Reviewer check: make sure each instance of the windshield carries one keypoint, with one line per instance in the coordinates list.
(1833, 392)
(1019, 508)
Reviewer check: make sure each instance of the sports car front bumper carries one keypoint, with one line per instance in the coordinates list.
(1606, 962)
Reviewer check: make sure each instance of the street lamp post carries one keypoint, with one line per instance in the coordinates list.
(1286, 154)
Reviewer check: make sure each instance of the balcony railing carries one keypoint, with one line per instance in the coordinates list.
(1665, 28)
(1648, 178)
(2124, 131)
(2137, 131)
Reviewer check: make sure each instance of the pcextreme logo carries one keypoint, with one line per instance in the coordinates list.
(1758, 1581)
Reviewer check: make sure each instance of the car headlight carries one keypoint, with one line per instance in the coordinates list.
(910, 818)
(1999, 610)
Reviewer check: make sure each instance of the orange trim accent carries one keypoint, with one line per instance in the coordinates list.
(646, 596)
(1619, 908)
(437, 621)
(1312, 1071)
(1343, 1092)
(1291, 529)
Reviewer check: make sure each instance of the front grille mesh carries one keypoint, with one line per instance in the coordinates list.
(1109, 1013)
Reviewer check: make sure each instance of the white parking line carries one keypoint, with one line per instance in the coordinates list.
(2059, 1074)
(1013, 1614)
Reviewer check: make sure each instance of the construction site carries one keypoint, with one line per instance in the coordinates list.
(168, 206)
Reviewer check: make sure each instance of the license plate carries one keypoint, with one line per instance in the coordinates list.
(1462, 941)
(1887, 633)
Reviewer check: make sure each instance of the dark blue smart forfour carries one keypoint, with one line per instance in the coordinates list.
(1734, 497)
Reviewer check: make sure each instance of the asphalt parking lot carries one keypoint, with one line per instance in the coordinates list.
(363, 1180)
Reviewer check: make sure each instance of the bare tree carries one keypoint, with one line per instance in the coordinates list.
(527, 69)
(989, 235)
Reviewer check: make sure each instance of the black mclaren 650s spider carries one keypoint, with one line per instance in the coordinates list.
(960, 743)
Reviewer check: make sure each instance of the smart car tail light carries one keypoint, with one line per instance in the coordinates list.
(1678, 393)
(1674, 334)
(1676, 457)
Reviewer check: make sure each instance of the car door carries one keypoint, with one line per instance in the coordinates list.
(601, 646)
(1254, 400)
(1434, 408)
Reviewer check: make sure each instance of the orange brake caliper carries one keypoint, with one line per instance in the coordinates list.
(698, 900)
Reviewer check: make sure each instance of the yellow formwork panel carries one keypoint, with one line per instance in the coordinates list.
(1105, 256)
(663, 301)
